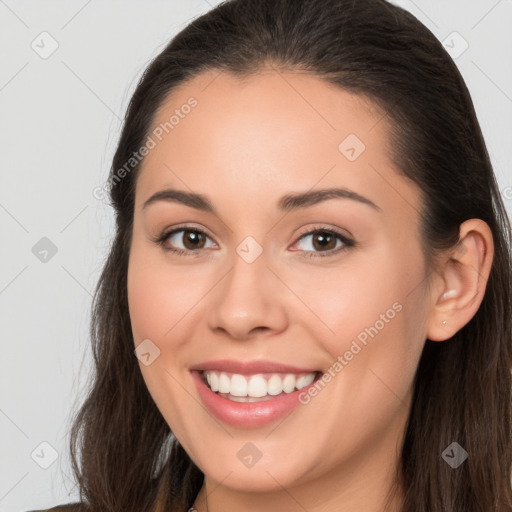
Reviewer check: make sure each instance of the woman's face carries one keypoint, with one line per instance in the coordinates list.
(266, 279)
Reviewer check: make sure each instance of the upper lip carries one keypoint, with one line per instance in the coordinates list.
(250, 367)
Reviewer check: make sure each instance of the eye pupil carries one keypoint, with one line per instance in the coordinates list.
(324, 240)
(192, 236)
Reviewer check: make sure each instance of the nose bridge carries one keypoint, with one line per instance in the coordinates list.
(248, 296)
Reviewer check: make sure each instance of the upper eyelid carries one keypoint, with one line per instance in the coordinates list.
(168, 232)
(336, 231)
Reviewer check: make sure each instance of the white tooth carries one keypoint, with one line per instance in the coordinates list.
(274, 385)
(257, 386)
(224, 383)
(238, 385)
(213, 380)
(243, 398)
(305, 380)
(289, 383)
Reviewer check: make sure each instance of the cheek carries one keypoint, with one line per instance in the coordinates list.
(370, 322)
(349, 302)
(158, 298)
(159, 294)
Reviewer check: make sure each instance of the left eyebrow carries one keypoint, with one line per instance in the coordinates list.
(303, 200)
(286, 203)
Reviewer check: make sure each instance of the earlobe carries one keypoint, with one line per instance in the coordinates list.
(462, 281)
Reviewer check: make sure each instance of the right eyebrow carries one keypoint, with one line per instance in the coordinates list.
(197, 201)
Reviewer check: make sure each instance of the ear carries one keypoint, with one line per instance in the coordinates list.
(461, 281)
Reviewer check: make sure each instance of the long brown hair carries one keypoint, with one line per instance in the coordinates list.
(123, 452)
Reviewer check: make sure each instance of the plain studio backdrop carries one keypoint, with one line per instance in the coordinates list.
(68, 69)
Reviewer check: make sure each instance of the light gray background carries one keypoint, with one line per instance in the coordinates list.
(60, 118)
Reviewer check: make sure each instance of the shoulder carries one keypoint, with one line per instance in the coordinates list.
(69, 507)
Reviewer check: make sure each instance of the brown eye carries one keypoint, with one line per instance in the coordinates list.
(193, 239)
(324, 242)
(184, 241)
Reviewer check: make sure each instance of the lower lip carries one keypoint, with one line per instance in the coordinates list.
(247, 414)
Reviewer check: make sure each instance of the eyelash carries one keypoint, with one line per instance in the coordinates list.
(347, 242)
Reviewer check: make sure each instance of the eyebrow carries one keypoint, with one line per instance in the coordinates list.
(287, 203)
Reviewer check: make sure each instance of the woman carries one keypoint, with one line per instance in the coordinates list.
(312, 263)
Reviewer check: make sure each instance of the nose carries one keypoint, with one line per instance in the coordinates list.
(247, 301)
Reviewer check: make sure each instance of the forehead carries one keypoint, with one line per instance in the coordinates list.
(269, 133)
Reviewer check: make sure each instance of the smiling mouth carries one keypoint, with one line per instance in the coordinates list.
(256, 387)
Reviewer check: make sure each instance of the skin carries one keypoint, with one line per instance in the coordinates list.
(245, 145)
